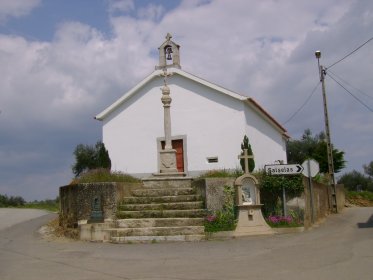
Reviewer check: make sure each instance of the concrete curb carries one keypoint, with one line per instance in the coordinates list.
(223, 235)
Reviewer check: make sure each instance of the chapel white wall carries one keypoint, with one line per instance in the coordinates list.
(214, 125)
(268, 144)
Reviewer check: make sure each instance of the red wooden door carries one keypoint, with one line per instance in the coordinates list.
(178, 146)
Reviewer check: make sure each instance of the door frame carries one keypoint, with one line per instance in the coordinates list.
(185, 153)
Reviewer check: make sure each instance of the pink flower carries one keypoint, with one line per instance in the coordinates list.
(211, 218)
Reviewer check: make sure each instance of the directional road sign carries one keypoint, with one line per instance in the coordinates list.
(283, 169)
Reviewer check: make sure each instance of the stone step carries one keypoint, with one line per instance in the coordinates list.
(159, 222)
(183, 182)
(192, 213)
(159, 199)
(162, 206)
(158, 238)
(157, 231)
(163, 192)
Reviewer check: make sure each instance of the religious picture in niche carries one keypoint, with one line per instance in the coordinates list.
(248, 193)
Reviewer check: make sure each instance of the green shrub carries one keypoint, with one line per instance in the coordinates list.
(224, 219)
(271, 190)
(104, 175)
(49, 205)
(364, 195)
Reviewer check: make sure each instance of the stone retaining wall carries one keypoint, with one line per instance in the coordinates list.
(76, 201)
(322, 201)
(212, 191)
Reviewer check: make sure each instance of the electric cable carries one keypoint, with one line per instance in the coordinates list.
(361, 102)
(304, 104)
(355, 88)
(359, 47)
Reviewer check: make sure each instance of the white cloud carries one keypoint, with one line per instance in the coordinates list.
(121, 6)
(151, 12)
(50, 91)
(16, 8)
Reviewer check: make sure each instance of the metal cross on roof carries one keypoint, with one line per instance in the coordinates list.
(246, 158)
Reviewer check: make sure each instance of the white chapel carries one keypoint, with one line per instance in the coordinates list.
(208, 123)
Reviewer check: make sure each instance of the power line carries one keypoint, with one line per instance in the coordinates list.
(361, 102)
(304, 104)
(359, 47)
(355, 88)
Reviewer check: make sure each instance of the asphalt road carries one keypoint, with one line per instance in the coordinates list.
(341, 248)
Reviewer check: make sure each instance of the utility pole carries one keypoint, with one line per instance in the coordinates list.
(322, 72)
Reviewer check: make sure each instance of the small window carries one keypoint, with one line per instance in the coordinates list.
(212, 159)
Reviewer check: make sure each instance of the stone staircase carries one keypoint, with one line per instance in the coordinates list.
(162, 210)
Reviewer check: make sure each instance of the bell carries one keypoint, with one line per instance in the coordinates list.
(169, 52)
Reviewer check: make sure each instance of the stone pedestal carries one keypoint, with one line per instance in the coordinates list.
(251, 221)
(168, 161)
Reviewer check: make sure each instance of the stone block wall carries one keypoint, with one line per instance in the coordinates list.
(76, 200)
(212, 191)
(322, 201)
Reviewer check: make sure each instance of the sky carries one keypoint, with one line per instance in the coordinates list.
(63, 62)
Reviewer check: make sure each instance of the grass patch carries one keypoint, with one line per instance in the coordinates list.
(104, 175)
(365, 195)
(364, 198)
(52, 207)
(221, 173)
(54, 230)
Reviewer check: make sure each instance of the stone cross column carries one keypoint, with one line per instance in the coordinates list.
(168, 155)
(166, 100)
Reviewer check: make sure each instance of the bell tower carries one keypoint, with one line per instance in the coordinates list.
(169, 55)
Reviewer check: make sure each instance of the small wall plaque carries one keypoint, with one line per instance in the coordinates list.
(96, 214)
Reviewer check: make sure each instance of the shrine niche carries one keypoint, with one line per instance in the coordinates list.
(250, 217)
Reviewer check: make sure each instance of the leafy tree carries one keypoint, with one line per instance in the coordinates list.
(353, 180)
(90, 157)
(246, 145)
(315, 147)
(368, 169)
(13, 201)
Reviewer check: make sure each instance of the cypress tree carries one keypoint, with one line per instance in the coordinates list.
(246, 145)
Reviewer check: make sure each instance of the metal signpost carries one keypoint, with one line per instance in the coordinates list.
(284, 169)
(311, 168)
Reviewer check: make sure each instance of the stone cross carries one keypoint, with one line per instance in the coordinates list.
(168, 37)
(165, 75)
(246, 158)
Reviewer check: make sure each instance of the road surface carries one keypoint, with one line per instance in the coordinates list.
(341, 248)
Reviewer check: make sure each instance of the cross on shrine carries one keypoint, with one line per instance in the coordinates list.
(246, 158)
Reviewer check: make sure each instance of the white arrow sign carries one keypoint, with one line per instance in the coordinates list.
(283, 169)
